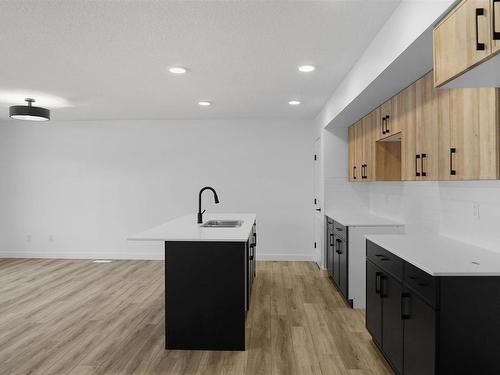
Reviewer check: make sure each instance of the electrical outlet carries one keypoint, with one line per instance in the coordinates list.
(476, 211)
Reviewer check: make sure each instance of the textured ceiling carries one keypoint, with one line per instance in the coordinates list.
(109, 59)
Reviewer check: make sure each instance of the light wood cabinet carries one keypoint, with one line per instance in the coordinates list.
(426, 129)
(352, 154)
(495, 25)
(362, 149)
(469, 135)
(369, 126)
(387, 124)
(443, 134)
(464, 39)
(407, 117)
(356, 144)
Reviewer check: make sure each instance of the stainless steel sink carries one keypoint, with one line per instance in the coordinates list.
(222, 224)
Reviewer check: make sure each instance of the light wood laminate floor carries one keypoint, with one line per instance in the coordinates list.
(75, 317)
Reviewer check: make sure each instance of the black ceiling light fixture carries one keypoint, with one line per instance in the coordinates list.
(28, 112)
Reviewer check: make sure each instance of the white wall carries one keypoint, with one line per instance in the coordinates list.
(78, 189)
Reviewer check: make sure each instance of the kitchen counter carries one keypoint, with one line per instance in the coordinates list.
(186, 228)
(439, 255)
(360, 219)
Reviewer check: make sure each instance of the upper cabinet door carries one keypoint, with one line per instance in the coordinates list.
(352, 154)
(406, 117)
(462, 40)
(427, 131)
(384, 113)
(369, 129)
(495, 25)
(470, 137)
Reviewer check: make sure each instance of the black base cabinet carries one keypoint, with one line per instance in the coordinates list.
(337, 255)
(427, 325)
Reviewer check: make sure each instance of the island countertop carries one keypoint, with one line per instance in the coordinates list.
(186, 228)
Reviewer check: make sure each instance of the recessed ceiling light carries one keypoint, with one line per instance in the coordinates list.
(306, 68)
(205, 103)
(177, 70)
(294, 102)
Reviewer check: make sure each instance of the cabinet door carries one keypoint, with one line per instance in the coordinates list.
(495, 25)
(427, 132)
(392, 324)
(358, 133)
(369, 129)
(352, 173)
(461, 40)
(342, 251)
(406, 116)
(473, 145)
(385, 121)
(419, 336)
(373, 302)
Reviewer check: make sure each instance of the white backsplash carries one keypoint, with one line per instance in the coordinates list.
(466, 210)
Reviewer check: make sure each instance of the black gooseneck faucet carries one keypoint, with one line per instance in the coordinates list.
(216, 198)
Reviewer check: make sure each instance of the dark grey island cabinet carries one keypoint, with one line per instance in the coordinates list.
(443, 322)
(209, 274)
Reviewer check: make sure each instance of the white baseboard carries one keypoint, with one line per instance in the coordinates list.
(140, 256)
(286, 257)
(86, 255)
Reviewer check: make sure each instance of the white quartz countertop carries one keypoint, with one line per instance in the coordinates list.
(439, 255)
(186, 228)
(360, 219)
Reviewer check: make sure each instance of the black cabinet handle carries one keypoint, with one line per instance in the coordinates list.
(382, 288)
(387, 118)
(354, 172)
(338, 251)
(383, 125)
(331, 239)
(479, 46)
(496, 34)
(379, 255)
(453, 150)
(424, 156)
(318, 209)
(417, 173)
(377, 282)
(252, 245)
(405, 306)
(363, 171)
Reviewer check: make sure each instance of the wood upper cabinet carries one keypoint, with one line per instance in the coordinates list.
(387, 124)
(362, 149)
(408, 119)
(469, 134)
(463, 39)
(355, 134)
(427, 129)
(495, 25)
(369, 126)
(351, 173)
(441, 134)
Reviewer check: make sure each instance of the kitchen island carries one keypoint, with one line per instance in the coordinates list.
(209, 273)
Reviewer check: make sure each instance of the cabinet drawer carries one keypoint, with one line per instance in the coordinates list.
(422, 283)
(339, 229)
(385, 259)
